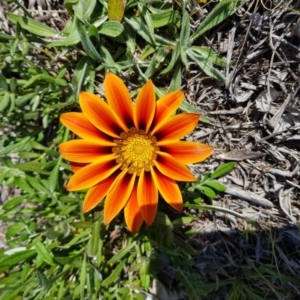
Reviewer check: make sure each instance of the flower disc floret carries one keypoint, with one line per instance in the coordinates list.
(136, 150)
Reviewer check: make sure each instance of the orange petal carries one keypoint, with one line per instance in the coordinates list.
(133, 216)
(145, 107)
(170, 167)
(117, 198)
(176, 127)
(119, 99)
(83, 151)
(100, 114)
(186, 152)
(169, 189)
(97, 193)
(93, 173)
(166, 106)
(147, 197)
(81, 126)
(77, 166)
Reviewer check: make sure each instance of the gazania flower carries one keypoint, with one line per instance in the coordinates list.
(128, 153)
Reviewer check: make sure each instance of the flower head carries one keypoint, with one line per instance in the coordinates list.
(128, 152)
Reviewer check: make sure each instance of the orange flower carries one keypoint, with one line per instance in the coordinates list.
(128, 152)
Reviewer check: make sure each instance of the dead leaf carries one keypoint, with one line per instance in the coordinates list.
(239, 155)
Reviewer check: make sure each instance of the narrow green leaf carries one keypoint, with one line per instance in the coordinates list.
(32, 26)
(206, 65)
(14, 148)
(220, 13)
(140, 27)
(44, 253)
(209, 53)
(84, 9)
(36, 185)
(222, 170)
(22, 184)
(7, 261)
(36, 145)
(146, 16)
(31, 166)
(174, 58)
(120, 254)
(42, 280)
(12, 203)
(4, 36)
(72, 38)
(176, 80)
(94, 241)
(185, 29)
(82, 277)
(215, 185)
(184, 246)
(114, 275)
(52, 183)
(86, 42)
(183, 220)
(205, 190)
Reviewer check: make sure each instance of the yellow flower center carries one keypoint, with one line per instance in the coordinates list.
(136, 150)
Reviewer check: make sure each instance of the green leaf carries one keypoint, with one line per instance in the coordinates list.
(222, 170)
(176, 80)
(42, 280)
(206, 65)
(111, 28)
(82, 277)
(84, 9)
(93, 244)
(3, 83)
(86, 42)
(4, 101)
(32, 26)
(12, 203)
(146, 16)
(206, 191)
(80, 74)
(22, 184)
(52, 183)
(220, 13)
(4, 36)
(185, 29)
(209, 53)
(34, 182)
(15, 229)
(165, 17)
(31, 166)
(140, 27)
(120, 254)
(72, 38)
(183, 220)
(174, 58)
(14, 148)
(44, 253)
(114, 275)
(7, 261)
(215, 185)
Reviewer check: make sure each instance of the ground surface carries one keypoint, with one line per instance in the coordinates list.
(254, 120)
